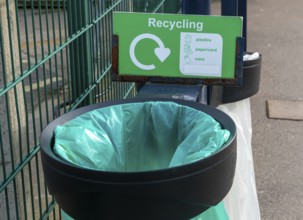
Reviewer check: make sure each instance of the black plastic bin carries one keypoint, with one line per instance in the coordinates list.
(180, 192)
(251, 82)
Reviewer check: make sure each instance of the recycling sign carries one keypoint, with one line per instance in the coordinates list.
(171, 45)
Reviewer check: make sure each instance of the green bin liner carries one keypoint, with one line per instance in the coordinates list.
(217, 212)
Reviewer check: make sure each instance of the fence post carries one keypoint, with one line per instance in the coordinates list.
(199, 7)
(80, 49)
(242, 11)
(236, 8)
(172, 6)
(229, 7)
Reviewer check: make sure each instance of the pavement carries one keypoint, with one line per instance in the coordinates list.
(275, 30)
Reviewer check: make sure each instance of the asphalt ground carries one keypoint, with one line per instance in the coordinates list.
(275, 30)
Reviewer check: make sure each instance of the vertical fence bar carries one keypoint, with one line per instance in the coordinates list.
(61, 58)
(56, 77)
(81, 76)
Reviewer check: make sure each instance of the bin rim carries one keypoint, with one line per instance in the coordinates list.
(222, 118)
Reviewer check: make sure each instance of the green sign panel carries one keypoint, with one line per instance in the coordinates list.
(168, 45)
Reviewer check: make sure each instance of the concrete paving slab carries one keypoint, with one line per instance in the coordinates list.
(280, 109)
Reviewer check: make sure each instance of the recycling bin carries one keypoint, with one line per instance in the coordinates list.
(173, 181)
(251, 82)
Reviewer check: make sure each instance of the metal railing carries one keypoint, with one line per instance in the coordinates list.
(55, 57)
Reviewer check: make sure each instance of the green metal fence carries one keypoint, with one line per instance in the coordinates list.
(55, 57)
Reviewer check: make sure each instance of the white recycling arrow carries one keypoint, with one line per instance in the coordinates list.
(161, 52)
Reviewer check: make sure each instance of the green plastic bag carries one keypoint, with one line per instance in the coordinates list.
(139, 137)
(217, 212)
